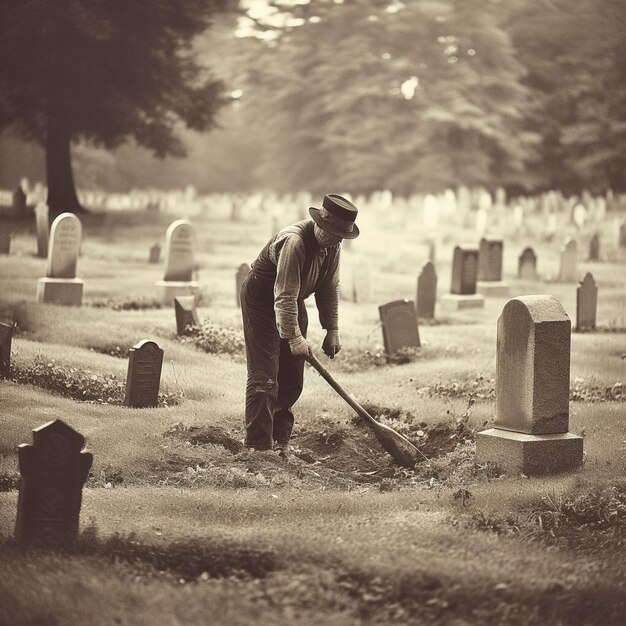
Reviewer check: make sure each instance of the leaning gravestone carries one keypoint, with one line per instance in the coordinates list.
(586, 304)
(527, 264)
(242, 271)
(6, 336)
(179, 262)
(60, 286)
(594, 248)
(399, 324)
(426, 291)
(568, 268)
(464, 273)
(54, 470)
(532, 391)
(186, 314)
(43, 226)
(145, 361)
(490, 281)
(5, 239)
(155, 254)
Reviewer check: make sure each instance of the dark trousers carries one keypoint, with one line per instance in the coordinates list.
(275, 376)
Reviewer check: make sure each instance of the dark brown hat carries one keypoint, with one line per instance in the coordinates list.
(336, 216)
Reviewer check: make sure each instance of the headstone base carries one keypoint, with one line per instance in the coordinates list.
(529, 454)
(493, 289)
(455, 302)
(172, 289)
(65, 291)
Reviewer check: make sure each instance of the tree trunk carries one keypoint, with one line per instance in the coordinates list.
(61, 190)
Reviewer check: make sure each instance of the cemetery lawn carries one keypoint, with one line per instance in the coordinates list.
(180, 524)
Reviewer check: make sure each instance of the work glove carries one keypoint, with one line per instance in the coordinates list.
(331, 344)
(299, 346)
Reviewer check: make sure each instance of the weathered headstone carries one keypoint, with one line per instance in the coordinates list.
(532, 391)
(43, 226)
(594, 248)
(527, 264)
(60, 286)
(6, 337)
(18, 205)
(490, 281)
(155, 253)
(242, 271)
(399, 324)
(145, 361)
(426, 291)
(464, 273)
(186, 314)
(5, 239)
(179, 262)
(586, 303)
(568, 268)
(53, 471)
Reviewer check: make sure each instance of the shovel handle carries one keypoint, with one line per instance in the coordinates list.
(325, 374)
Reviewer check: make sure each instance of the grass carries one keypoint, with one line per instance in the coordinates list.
(181, 525)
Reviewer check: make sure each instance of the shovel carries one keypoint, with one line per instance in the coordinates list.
(400, 448)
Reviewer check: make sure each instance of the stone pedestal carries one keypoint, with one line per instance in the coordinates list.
(171, 289)
(65, 291)
(456, 302)
(529, 454)
(493, 288)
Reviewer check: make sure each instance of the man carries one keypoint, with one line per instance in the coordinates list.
(300, 260)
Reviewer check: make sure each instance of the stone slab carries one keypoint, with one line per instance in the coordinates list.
(171, 289)
(455, 302)
(493, 289)
(65, 291)
(529, 454)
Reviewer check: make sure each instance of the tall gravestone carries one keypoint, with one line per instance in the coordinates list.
(179, 262)
(527, 264)
(463, 286)
(490, 281)
(399, 324)
(426, 291)
(6, 337)
(586, 304)
(43, 227)
(242, 271)
(186, 314)
(532, 391)
(594, 248)
(145, 361)
(568, 262)
(60, 286)
(53, 471)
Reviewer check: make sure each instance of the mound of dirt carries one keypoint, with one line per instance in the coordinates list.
(205, 435)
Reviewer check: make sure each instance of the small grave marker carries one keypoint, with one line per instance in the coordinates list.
(527, 264)
(186, 314)
(5, 239)
(586, 303)
(54, 470)
(155, 254)
(490, 259)
(399, 323)
(145, 361)
(242, 271)
(6, 336)
(594, 248)
(568, 270)
(18, 204)
(464, 270)
(426, 291)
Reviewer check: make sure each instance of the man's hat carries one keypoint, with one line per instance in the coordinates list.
(336, 216)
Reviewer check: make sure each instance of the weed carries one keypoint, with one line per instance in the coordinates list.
(134, 303)
(216, 340)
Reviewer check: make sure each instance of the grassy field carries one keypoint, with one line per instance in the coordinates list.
(180, 524)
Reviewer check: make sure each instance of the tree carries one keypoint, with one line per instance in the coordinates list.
(103, 71)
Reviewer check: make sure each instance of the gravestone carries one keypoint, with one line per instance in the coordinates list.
(426, 291)
(527, 264)
(242, 271)
(568, 268)
(179, 262)
(5, 239)
(594, 248)
(60, 286)
(53, 471)
(432, 249)
(490, 281)
(18, 205)
(532, 391)
(6, 337)
(464, 273)
(622, 235)
(586, 304)
(155, 253)
(361, 286)
(145, 361)
(43, 226)
(186, 314)
(399, 324)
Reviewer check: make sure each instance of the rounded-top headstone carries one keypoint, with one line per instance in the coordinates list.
(64, 246)
(179, 251)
